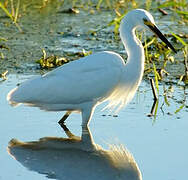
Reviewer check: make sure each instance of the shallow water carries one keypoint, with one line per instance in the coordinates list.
(159, 147)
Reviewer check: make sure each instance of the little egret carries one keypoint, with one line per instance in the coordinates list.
(83, 84)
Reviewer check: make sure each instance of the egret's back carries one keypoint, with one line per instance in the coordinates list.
(81, 81)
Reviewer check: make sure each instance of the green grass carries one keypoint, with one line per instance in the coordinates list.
(13, 15)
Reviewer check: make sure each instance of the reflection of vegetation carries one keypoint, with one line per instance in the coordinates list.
(170, 102)
(181, 101)
(154, 107)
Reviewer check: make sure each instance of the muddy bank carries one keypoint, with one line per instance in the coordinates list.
(58, 32)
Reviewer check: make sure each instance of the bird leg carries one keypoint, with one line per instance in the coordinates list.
(86, 115)
(62, 120)
(68, 133)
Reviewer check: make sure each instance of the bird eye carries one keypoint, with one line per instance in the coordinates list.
(145, 20)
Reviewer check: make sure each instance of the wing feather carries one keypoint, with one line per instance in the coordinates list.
(91, 78)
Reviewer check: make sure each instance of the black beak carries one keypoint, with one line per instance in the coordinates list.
(161, 36)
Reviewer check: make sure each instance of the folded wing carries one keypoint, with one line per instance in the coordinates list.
(91, 78)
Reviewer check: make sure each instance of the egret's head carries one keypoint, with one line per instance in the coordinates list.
(136, 17)
(140, 17)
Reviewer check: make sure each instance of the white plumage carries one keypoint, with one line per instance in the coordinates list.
(89, 81)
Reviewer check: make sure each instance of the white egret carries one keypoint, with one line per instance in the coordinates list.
(83, 84)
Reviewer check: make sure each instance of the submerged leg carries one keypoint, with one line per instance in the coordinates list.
(68, 133)
(62, 120)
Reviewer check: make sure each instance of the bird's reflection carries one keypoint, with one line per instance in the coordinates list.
(75, 158)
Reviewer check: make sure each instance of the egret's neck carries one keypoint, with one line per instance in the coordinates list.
(133, 46)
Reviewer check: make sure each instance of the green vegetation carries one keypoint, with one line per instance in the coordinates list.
(48, 62)
(13, 15)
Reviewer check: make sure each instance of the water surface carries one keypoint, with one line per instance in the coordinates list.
(159, 147)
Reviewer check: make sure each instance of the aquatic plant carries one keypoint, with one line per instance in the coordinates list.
(52, 61)
(3, 75)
